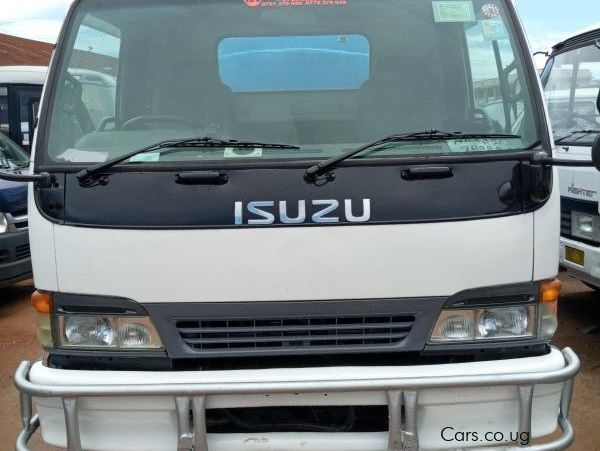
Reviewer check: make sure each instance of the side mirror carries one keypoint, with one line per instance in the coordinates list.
(596, 152)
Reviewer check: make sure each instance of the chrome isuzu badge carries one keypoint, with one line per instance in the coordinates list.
(321, 211)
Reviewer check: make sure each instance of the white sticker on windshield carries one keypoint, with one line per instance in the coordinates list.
(144, 157)
(494, 30)
(83, 156)
(453, 11)
(483, 145)
(236, 152)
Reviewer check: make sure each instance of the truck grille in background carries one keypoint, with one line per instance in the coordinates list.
(21, 225)
(567, 206)
(22, 252)
(294, 333)
(565, 222)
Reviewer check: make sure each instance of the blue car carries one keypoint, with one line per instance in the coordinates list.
(15, 261)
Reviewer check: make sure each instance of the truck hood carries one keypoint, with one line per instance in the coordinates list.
(288, 263)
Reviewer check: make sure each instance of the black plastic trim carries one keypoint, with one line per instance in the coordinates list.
(80, 304)
(179, 356)
(473, 192)
(165, 315)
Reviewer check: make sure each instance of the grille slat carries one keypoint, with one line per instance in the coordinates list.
(192, 330)
(234, 340)
(294, 333)
(22, 252)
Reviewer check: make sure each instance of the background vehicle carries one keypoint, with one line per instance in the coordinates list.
(20, 92)
(15, 261)
(309, 226)
(572, 84)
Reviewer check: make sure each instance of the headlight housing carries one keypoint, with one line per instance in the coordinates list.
(500, 323)
(586, 226)
(3, 223)
(107, 332)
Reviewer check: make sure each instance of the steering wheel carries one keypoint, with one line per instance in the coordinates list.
(142, 122)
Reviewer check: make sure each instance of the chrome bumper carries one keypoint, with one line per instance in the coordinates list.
(402, 395)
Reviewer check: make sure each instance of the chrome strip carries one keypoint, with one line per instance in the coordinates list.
(72, 423)
(525, 405)
(185, 442)
(398, 390)
(13, 221)
(410, 438)
(199, 416)
(395, 420)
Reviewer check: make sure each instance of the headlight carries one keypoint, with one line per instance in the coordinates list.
(3, 223)
(500, 323)
(585, 226)
(111, 332)
(507, 322)
(485, 324)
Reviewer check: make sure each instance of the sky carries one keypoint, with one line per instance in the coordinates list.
(546, 21)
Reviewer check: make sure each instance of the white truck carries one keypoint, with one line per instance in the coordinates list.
(20, 92)
(313, 225)
(572, 84)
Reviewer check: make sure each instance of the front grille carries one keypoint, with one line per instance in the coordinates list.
(295, 333)
(4, 255)
(22, 252)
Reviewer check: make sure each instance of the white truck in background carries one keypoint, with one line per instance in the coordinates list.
(20, 93)
(572, 84)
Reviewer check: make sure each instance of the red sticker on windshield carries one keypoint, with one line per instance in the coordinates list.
(292, 3)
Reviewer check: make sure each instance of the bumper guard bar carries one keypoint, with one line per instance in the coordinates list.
(402, 398)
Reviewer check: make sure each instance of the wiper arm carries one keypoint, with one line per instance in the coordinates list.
(429, 135)
(205, 142)
(577, 132)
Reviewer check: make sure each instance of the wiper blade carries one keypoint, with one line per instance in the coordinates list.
(578, 132)
(428, 135)
(205, 142)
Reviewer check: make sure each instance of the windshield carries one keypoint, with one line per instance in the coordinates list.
(326, 76)
(11, 154)
(572, 91)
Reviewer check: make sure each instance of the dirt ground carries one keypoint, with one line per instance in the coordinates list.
(579, 328)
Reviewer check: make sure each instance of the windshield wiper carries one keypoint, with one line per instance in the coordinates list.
(577, 132)
(429, 135)
(204, 142)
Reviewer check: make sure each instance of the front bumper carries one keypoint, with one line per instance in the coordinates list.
(15, 261)
(589, 272)
(114, 410)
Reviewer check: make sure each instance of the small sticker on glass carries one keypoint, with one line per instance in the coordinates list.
(145, 157)
(453, 11)
(494, 30)
(231, 152)
(483, 145)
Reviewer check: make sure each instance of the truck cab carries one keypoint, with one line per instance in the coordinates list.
(20, 93)
(572, 84)
(307, 225)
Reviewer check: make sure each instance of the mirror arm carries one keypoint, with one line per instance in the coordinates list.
(542, 159)
(44, 178)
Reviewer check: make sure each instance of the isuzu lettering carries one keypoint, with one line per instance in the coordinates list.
(315, 225)
(572, 83)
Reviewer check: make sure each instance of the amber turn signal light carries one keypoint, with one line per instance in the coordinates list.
(550, 290)
(41, 301)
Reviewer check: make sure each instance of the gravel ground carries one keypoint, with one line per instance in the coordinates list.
(579, 328)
